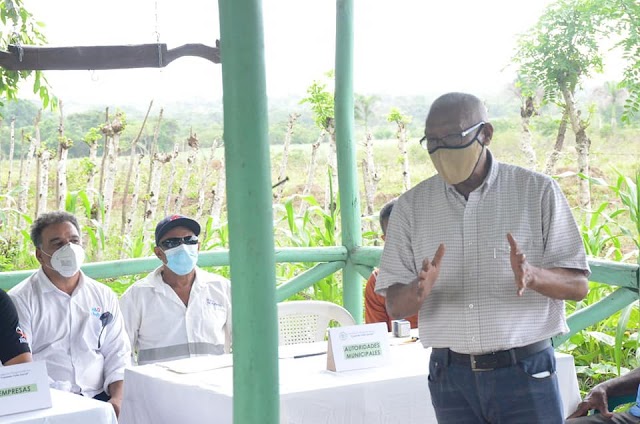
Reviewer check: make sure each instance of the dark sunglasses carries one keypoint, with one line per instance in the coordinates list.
(170, 243)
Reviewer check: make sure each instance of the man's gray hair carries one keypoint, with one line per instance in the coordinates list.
(50, 218)
(468, 106)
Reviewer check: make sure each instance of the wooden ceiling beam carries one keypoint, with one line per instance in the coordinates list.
(32, 58)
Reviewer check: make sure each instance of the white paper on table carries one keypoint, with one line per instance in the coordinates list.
(24, 387)
(198, 364)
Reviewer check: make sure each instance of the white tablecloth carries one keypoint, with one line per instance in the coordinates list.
(66, 408)
(309, 394)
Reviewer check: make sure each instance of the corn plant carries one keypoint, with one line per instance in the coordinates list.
(599, 233)
(15, 241)
(314, 227)
(616, 337)
(627, 191)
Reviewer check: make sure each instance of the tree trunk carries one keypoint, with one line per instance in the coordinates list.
(12, 143)
(315, 147)
(582, 147)
(43, 181)
(526, 145)
(218, 195)
(190, 166)
(133, 206)
(109, 181)
(293, 117)
(401, 135)
(153, 193)
(104, 151)
(93, 163)
(152, 156)
(23, 180)
(172, 176)
(371, 178)
(132, 165)
(63, 150)
(34, 146)
(550, 167)
(332, 161)
(208, 166)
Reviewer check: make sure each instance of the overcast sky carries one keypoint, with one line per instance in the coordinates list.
(401, 47)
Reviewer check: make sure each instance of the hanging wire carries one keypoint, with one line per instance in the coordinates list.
(157, 90)
(157, 34)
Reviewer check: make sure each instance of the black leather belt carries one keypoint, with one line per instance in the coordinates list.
(501, 359)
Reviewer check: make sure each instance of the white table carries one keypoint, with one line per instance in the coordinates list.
(66, 408)
(309, 394)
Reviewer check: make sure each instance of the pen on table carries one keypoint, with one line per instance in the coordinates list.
(309, 354)
(412, 340)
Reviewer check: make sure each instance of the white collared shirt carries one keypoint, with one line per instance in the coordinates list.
(64, 330)
(162, 328)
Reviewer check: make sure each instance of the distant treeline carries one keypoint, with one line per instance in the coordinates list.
(206, 121)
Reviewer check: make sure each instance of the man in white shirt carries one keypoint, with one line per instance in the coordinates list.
(74, 323)
(178, 310)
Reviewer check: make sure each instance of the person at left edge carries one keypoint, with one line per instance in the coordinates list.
(14, 347)
(179, 310)
(74, 322)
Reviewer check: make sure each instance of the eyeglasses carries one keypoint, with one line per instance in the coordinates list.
(170, 243)
(451, 141)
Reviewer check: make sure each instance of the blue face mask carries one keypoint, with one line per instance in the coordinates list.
(182, 259)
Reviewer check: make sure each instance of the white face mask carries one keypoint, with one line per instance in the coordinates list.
(67, 260)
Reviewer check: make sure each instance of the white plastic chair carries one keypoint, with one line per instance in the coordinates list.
(306, 321)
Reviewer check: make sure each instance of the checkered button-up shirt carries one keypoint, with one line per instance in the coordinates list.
(473, 307)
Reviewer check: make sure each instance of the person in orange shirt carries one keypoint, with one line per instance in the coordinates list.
(375, 309)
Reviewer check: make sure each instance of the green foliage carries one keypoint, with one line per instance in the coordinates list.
(312, 228)
(92, 136)
(563, 47)
(395, 115)
(322, 104)
(628, 192)
(609, 348)
(599, 235)
(21, 29)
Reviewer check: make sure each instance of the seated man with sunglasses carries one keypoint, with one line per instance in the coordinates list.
(179, 310)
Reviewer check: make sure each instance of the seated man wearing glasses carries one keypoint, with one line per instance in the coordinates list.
(72, 321)
(179, 310)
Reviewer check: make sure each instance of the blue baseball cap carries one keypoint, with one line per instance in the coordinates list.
(173, 221)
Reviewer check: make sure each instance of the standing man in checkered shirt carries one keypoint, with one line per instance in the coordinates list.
(487, 253)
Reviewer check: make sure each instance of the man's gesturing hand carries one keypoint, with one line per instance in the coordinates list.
(429, 274)
(522, 271)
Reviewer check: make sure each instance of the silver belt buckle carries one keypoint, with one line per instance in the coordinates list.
(474, 364)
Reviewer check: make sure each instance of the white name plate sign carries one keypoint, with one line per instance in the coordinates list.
(357, 347)
(24, 387)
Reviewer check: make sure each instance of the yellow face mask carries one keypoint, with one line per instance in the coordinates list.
(455, 165)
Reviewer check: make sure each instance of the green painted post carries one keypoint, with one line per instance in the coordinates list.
(347, 167)
(251, 246)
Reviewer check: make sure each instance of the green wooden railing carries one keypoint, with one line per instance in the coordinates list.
(333, 259)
